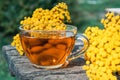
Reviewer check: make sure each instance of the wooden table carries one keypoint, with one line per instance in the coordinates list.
(115, 10)
(21, 68)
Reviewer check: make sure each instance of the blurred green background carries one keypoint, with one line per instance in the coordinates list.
(84, 13)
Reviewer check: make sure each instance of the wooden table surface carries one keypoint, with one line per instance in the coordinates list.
(21, 68)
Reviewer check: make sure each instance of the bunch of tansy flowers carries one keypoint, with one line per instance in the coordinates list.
(44, 19)
(103, 54)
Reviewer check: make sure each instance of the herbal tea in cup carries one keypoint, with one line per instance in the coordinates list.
(51, 48)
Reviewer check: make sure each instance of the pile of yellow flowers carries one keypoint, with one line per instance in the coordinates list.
(48, 19)
(44, 19)
(103, 54)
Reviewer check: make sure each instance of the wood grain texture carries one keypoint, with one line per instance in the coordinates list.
(22, 69)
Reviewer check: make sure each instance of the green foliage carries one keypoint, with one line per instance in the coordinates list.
(12, 11)
(85, 14)
(4, 72)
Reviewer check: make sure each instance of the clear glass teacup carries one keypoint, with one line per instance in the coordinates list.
(51, 48)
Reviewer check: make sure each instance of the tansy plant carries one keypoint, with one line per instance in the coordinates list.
(103, 54)
(44, 19)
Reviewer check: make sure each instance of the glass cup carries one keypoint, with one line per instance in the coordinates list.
(52, 48)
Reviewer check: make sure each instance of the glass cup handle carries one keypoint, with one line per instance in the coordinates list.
(81, 45)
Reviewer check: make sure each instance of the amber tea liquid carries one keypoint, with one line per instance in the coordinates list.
(47, 51)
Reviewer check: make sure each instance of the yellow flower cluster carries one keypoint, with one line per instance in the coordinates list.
(16, 42)
(103, 54)
(48, 19)
(41, 19)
